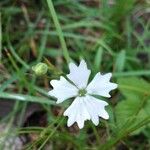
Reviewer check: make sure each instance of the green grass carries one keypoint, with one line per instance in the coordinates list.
(110, 37)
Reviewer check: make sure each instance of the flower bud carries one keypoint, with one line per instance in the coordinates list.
(40, 69)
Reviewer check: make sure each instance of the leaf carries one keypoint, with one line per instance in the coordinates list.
(131, 110)
(136, 106)
(133, 88)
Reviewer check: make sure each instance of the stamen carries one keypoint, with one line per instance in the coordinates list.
(82, 92)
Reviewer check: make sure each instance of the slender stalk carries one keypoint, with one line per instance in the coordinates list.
(59, 30)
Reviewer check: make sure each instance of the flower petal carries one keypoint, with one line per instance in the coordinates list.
(62, 89)
(79, 75)
(77, 112)
(86, 108)
(96, 109)
(101, 85)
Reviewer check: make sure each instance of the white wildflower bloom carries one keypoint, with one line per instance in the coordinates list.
(85, 106)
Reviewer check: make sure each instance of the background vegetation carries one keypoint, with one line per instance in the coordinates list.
(111, 35)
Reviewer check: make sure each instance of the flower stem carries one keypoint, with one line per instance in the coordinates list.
(59, 30)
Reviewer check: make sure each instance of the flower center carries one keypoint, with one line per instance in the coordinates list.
(82, 92)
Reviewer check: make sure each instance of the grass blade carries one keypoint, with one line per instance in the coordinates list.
(59, 30)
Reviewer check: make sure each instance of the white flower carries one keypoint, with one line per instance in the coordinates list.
(85, 106)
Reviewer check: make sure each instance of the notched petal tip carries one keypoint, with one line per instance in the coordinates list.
(95, 120)
(82, 62)
(105, 103)
(108, 95)
(72, 66)
(80, 126)
(105, 115)
(109, 74)
(56, 82)
(65, 114)
(69, 124)
(50, 93)
(96, 124)
(83, 65)
(115, 85)
(53, 82)
(59, 101)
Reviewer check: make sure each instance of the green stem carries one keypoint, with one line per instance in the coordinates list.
(59, 30)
